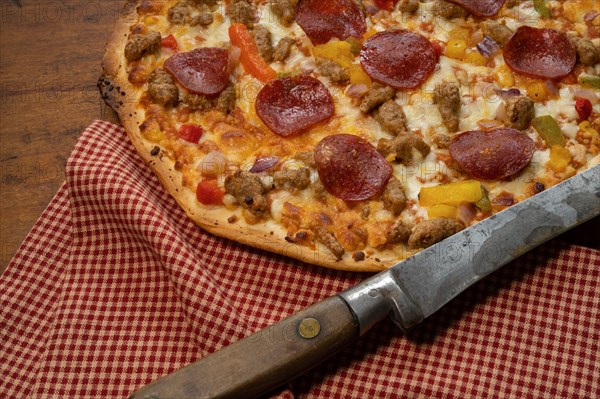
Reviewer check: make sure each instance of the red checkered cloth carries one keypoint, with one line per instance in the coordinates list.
(115, 287)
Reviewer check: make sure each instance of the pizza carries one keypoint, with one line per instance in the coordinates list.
(352, 134)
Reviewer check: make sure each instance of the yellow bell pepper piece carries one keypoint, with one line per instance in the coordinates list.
(459, 33)
(456, 48)
(451, 194)
(358, 75)
(559, 158)
(336, 51)
(504, 76)
(442, 211)
(151, 131)
(573, 11)
(154, 135)
(586, 127)
(476, 58)
(537, 90)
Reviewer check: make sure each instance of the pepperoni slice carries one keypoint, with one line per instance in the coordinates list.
(203, 71)
(493, 154)
(350, 168)
(322, 20)
(481, 8)
(542, 53)
(398, 58)
(289, 106)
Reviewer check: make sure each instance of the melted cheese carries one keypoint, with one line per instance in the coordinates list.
(479, 102)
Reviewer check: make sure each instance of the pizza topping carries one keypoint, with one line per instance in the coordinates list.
(451, 194)
(499, 32)
(203, 71)
(376, 96)
(399, 149)
(387, 5)
(548, 128)
(184, 12)
(139, 45)
(190, 132)
(170, 42)
(398, 233)
(328, 240)
(284, 10)
(481, 8)
(178, 13)
(391, 117)
(262, 38)
(248, 190)
(488, 47)
(409, 6)
(398, 58)
(350, 168)
(250, 56)
(583, 106)
(332, 70)
(449, 10)
(589, 81)
(162, 88)
(432, 231)
(587, 53)
(290, 106)
(325, 20)
(262, 164)
(560, 158)
(292, 179)
(494, 154)
(519, 112)
(208, 193)
(225, 102)
(242, 12)
(541, 53)
(393, 196)
(541, 7)
(448, 99)
(306, 157)
(282, 50)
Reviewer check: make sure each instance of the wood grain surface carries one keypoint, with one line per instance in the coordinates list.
(50, 52)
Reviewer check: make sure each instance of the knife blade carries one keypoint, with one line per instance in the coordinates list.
(408, 292)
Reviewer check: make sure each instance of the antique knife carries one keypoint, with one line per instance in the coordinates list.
(408, 292)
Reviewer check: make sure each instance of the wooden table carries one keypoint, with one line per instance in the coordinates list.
(50, 54)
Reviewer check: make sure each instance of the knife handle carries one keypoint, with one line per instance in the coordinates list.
(264, 360)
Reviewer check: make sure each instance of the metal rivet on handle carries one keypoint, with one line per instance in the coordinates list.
(309, 328)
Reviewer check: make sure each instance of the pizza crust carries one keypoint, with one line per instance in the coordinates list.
(213, 219)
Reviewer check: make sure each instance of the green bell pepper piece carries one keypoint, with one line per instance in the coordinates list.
(541, 7)
(589, 81)
(548, 128)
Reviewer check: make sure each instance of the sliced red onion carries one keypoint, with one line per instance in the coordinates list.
(488, 47)
(486, 124)
(357, 90)
(476, 37)
(466, 213)
(232, 134)
(590, 16)
(263, 164)
(506, 94)
(589, 94)
(552, 87)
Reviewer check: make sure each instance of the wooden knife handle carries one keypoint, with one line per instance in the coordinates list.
(265, 360)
